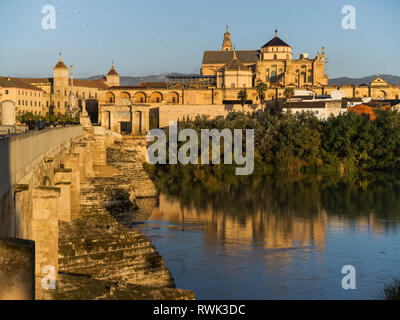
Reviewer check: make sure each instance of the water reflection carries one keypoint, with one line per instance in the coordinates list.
(280, 237)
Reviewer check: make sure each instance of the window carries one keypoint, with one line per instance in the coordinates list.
(309, 79)
(273, 77)
(158, 99)
(267, 78)
(6, 91)
(31, 103)
(303, 66)
(267, 71)
(275, 57)
(19, 102)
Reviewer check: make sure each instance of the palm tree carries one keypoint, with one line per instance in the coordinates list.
(261, 88)
(242, 96)
(289, 93)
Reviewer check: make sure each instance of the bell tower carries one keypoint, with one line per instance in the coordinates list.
(227, 44)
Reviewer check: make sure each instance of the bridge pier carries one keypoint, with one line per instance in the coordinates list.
(45, 202)
(63, 180)
(71, 161)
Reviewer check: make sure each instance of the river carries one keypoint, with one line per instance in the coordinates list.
(280, 238)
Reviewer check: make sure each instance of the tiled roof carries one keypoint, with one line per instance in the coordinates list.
(223, 57)
(60, 65)
(126, 87)
(235, 64)
(112, 72)
(276, 42)
(6, 82)
(159, 85)
(98, 83)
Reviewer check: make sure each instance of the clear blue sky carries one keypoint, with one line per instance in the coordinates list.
(159, 36)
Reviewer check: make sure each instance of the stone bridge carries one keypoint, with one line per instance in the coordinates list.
(59, 193)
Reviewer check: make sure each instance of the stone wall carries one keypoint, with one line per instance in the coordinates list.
(76, 201)
(17, 269)
(178, 112)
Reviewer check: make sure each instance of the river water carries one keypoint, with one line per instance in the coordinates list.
(280, 239)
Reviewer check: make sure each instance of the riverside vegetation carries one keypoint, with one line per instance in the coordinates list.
(347, 156)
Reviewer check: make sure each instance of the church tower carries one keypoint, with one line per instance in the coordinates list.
(112, 78)
(60, 73)
(227, 44)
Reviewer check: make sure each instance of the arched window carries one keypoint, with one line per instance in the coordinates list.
(273, 77)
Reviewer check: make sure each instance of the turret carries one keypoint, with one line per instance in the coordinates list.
(227, 44)
(112, 78)
(60, 73)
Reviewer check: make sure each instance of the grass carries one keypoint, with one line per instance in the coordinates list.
(392, 291)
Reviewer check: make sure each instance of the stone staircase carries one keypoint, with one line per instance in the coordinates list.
(110, 252)
(101, 245)
(124, 158)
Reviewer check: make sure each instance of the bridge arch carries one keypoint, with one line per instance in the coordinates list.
(140, 97)
(125, 95)
(173, 97)
(110, 97)
(156, 97)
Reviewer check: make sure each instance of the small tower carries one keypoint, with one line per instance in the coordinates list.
(60, 73)
(112, 78)
(227, 44)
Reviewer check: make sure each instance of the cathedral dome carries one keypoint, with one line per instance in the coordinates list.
(276, 42)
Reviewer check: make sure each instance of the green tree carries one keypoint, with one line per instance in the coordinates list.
(242, 96)
(288, 93)
(261, 89)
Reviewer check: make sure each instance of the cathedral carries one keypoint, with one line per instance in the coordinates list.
(273, 64)
(223, 74)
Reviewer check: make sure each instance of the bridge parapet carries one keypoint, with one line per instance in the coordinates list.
(19, 154)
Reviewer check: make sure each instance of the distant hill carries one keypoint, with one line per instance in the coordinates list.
(391, 79)
(134, 81)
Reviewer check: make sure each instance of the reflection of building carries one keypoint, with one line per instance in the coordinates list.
(264, 228)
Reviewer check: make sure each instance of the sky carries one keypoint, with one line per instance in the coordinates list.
(162, 36)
